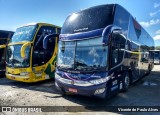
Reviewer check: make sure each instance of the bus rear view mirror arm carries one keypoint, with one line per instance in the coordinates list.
(108, 31)
(47, 37)
(41, 37)
(2, 46)
(23, 49)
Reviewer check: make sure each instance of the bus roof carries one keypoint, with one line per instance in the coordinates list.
(83, 20)
(93, 7)
(154, 50)
(6, 31)
(39, 23)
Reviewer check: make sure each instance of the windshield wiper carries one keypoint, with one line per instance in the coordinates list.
(64, 66)
(90, 68)
(77, 63)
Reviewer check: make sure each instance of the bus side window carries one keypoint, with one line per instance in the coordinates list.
(50, 49)
(114, 56)
(118, 47)
(114, 48)
(122, 42)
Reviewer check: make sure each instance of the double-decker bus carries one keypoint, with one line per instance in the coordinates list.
(155, 54)
(32, 53)
(102, 50)
(4, 38)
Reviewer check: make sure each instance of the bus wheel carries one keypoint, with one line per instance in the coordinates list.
(126, 82)
(149, 70)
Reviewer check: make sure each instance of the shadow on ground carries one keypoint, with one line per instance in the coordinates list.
(137, 95)
(43, 86)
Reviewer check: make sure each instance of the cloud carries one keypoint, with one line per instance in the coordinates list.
(156, 5)
(154, 13)
(157, 37)
(150, 23)
(157, 32)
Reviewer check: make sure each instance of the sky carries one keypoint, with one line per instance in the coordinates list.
(14, 13)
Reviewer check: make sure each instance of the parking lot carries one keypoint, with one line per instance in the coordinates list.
(145, 92)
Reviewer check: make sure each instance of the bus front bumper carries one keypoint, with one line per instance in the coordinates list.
(28, 78)
(18, 78)
(99, 91)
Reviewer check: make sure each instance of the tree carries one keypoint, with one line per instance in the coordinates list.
(157, 47)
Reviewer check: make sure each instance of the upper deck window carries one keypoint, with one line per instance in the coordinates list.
(89, 19)
(25, 33)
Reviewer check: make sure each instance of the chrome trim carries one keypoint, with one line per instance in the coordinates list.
(81, 39)
(18, 76)
(76, 83)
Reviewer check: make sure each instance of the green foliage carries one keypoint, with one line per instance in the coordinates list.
(157, 47)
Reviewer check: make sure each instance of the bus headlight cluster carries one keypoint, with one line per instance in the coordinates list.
(99, 91)
(24, 73)
(99, 81)
(57, 76)
(38, 74)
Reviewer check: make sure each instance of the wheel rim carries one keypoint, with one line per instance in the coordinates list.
(127, 81)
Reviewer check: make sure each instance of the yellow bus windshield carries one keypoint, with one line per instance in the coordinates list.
(25, 33)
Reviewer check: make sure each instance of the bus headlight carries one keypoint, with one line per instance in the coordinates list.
(99, 91)
(38, 74)
(57, 76)
(99, 81)
(24, 73)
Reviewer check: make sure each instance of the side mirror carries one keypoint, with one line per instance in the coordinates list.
(46, 38)
(117, 36)
(117, 32)
(2, 46)
(23, 48)
(108, 31)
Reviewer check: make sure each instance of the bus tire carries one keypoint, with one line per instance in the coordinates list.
(149, 69)
(63, 93)
(126, 82)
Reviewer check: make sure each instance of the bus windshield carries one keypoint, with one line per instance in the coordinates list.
(25, 33)
(156, 55)
(88, 19)
(14, 59)
(82, 55)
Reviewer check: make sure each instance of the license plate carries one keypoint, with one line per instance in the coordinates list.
(72, 90)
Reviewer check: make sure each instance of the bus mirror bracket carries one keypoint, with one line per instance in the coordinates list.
(46, 38)
(23, 49)
(108, 30)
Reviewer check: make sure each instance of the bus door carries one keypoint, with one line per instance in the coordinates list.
(116, 58)
(135, 61)
(159, 57)
(40, 55)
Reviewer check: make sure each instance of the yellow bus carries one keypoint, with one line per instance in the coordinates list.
(4, 38)
(32, 52)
